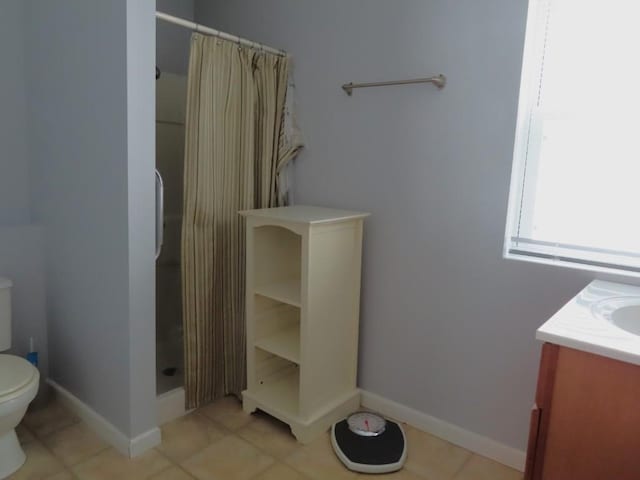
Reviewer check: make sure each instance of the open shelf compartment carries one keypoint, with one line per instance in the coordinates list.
(277, 328)
(285, 344)
(277, 258)
(277, 382)
(287, 291)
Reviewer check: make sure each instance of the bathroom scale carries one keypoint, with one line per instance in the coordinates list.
(368, 443)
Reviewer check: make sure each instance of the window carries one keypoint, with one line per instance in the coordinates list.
(575, 187)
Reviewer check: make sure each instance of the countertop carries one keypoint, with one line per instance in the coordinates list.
(575, 326)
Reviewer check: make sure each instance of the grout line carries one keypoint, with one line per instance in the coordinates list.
(93, 455)
(217, 424)
(70, 472)
(52, 453)
(181, 468)
(69, 468)
(33, 435)
(226, 432)
(169, 467)
(165, 456)
(41, 437)
(84, 460)
(172, 463)
(463, 466)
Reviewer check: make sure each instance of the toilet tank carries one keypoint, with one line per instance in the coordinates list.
(5, 313)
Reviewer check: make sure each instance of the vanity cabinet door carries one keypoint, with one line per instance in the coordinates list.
(589, 426)
(540, 414)
(534, 436)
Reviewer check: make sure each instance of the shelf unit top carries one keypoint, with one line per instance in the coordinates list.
(304, 214)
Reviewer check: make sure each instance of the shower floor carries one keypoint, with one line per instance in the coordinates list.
(169, 365)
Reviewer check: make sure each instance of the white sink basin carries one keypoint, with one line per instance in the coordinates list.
(603, 319)
(623, 312)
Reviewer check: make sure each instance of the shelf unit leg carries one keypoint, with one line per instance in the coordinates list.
(248, 405)
(303, 435)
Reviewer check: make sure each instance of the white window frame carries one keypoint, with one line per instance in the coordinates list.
(589, 259)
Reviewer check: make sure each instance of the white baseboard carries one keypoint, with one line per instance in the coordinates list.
(140, 444)
(170, 405)
(130, 447)
(479, 444)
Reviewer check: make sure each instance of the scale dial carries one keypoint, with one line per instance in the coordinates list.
(366, 424)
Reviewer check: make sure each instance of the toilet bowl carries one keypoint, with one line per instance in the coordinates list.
(19, 382)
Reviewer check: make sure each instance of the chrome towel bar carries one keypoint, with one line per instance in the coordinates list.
(439, 81)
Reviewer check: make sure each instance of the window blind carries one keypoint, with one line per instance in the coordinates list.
(575, 191)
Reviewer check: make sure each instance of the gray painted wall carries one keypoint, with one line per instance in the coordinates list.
(20, 242)
(173, 42)
(447, 325)
(141, 135)
(86, 69)
(14, 179)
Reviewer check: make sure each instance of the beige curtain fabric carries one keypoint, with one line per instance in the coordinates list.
(235, 101)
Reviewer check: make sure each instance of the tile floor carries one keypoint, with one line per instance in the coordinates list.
(221, 442)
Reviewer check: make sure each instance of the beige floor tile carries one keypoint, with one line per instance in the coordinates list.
(228, 459)
(74, 444)
(24, 435)
(64, 475)
(433, 457)
(189, 434)
(481, 468)
(110, 465)
(40, 463)
(47, 420)
(318, 461)
(280, 471)
(172, 473)
(269, 434)
(228, 412)
(403, 474)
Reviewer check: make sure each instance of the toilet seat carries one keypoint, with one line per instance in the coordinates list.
(16, 374)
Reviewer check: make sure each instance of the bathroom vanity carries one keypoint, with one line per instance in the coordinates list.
(585, 423)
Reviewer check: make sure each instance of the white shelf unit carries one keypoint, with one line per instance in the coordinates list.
(285, 344)
(287, 291)
(303, 297)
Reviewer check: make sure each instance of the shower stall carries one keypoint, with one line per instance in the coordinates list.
(171, 90)
(218, 354)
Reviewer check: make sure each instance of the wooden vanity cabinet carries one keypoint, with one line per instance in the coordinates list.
(585, 424)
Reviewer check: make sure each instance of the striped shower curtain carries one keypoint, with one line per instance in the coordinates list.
(235, 103)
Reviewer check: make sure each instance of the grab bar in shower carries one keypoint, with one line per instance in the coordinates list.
(159, 213)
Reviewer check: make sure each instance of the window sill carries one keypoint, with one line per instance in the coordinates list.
(572, 264)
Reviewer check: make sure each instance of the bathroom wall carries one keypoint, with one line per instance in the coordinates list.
(173, 42)
(20, 241)
(141, 160)
(14, 180)
(447, 325)
(91, 118)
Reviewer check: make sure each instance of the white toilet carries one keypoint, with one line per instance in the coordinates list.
(18, 387)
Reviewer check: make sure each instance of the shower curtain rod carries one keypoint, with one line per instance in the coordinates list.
(216, 33)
